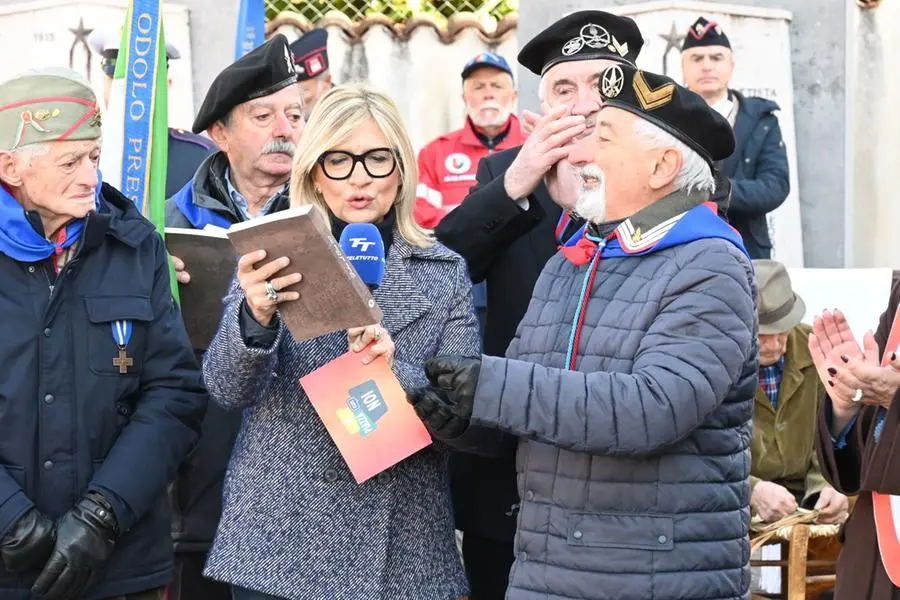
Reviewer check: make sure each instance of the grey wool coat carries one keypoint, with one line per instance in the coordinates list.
(634, 466)
(295, 523)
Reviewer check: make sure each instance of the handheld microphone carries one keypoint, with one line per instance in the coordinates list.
(363, 246)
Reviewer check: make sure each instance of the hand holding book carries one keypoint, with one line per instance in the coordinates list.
(262, 290)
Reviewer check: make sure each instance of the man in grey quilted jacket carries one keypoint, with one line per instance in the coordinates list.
(631, 379)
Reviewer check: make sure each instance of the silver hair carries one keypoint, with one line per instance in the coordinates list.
(29, 151)
(695, 174)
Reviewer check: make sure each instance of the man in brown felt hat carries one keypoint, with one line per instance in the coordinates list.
(785, 472)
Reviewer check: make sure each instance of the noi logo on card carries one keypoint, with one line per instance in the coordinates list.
(365, 405)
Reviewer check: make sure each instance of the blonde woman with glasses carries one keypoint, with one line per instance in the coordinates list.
(295, 524)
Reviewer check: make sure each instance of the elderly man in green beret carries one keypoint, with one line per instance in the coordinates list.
(100, 394)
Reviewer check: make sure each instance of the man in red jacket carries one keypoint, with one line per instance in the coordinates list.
(447, 165)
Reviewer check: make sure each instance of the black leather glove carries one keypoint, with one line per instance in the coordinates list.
(457, 375)
(85, 537)
(446, 409)
(28, 543)
(438, 413)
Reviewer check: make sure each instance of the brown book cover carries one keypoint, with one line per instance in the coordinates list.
(332, 296)
(211, 260)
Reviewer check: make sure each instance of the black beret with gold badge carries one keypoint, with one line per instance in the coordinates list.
(583, 35)
(673, 108)
(705, 33)
(263, 71)
(51, 104)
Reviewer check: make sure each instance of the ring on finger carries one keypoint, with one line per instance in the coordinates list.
(857, 396)
(271, 292)
(377, 333)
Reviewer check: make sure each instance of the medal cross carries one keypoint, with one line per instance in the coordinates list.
(123, 361)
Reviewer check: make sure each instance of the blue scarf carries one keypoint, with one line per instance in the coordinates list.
(197, 216)
(698, 223)
(18, 238)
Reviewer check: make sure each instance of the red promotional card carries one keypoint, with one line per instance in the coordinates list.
(366, 412)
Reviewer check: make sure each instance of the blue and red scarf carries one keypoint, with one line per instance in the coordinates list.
(20, 241)
(698, 223)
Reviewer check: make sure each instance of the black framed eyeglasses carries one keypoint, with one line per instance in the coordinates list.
(339, 164)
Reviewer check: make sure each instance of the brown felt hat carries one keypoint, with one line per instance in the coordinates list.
(780, 308)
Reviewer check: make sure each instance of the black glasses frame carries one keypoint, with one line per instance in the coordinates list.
(359, 158)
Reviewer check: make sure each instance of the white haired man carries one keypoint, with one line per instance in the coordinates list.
(101, 397)
(631, 380)
(507, 228)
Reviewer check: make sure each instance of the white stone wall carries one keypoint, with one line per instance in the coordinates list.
(46, 33)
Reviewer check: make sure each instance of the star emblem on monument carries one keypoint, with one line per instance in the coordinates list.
(81, 38)
(81, 32)
(673, 41)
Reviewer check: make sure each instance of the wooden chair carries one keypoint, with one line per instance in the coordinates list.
(809, 555)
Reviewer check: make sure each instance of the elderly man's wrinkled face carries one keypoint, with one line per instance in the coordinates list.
(772, 348)
(489, 96)
(707, 70)
(262, 135)
(610, 165)
(576, 84)
(57, 179)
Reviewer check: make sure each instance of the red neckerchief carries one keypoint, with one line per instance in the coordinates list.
(60, 239)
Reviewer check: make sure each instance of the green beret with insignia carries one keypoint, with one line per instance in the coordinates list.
(47, 105)
(669, 106)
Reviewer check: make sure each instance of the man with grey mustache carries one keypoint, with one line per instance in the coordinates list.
(254, 112)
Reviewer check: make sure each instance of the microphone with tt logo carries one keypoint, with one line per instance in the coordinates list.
(363, 246)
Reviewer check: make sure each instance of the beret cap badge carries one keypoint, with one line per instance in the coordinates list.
(652, 99)
(596, 37)
(675, 109)
(612, 81)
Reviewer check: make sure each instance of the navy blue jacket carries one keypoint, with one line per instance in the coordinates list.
(759, 173)
(71, 422)
(186, 151)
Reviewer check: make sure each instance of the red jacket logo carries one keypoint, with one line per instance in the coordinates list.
(458, 163)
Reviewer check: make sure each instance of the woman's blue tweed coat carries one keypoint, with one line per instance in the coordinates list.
(295, 524)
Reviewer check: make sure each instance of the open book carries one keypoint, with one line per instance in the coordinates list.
(332, 296)
(211, 260)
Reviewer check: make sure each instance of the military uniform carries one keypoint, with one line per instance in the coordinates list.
(101, 397)
(311, 59)
(758, 173)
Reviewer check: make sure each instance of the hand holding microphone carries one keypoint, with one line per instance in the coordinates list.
(364, 247)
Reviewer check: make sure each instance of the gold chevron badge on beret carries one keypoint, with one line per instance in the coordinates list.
(652, 99)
